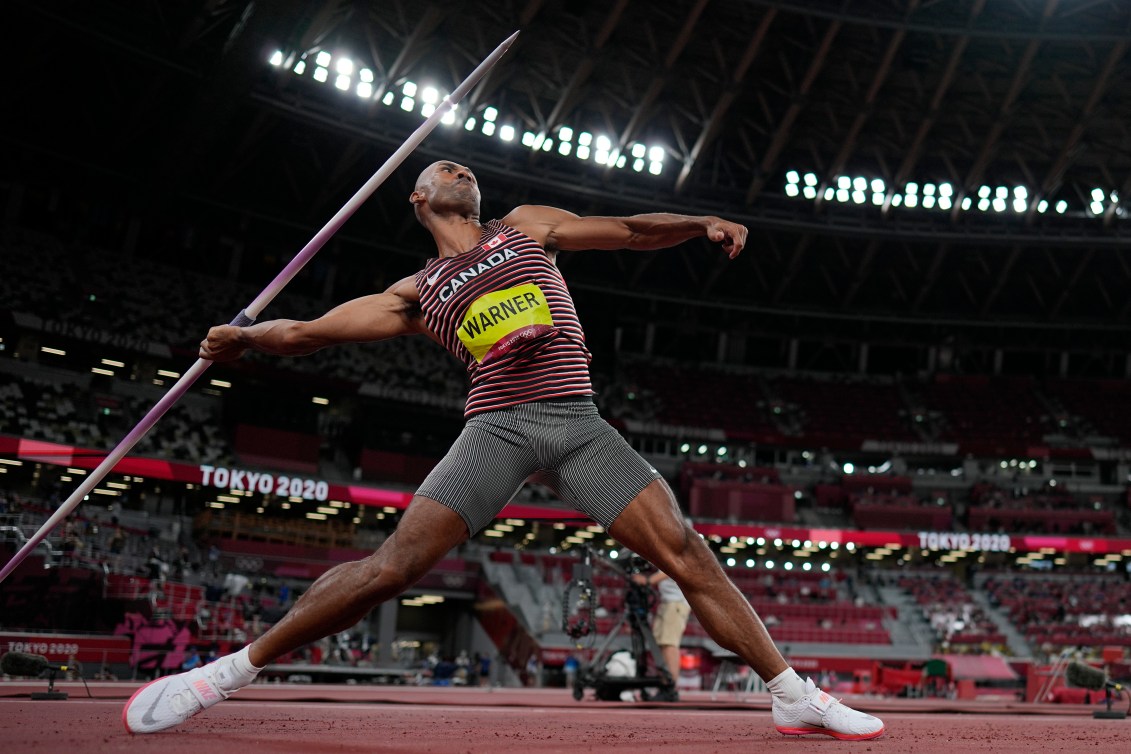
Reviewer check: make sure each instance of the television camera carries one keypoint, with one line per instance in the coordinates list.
(579, 620)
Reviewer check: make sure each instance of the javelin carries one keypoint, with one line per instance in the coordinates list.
(248, 315)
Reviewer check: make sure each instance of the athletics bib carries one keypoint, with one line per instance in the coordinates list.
(496, 322)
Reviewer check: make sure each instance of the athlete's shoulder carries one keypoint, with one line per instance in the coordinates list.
(538, 222)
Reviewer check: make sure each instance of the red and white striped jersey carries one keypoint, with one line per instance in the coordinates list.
(504, 310)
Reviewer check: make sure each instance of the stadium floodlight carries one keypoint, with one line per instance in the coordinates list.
(583, 152)
(1020, 192)
(844, 182)
(547, 145)
(983, 204)
(620, 161)
(388, 99)
(366, 75)
(1042, 206)
(1061, 207)
(966, 202)
(830, 192)
(1001, 193)
(842, 195)
(364, 90)
(911, 200)
(810, 179)
(928, 189)
(344, 66)
(585, 138)
(999, 204)
(770, 565)
(848, 468)
(878, 185)
(342, 82)
(791, 189)
(488, 128)
(490, 114)
(810, 192)
(792, 177)
(1097, 208)
(1097, 195)
(565, 133)
(300, 67)
(564, 147)
(506, 133)
(896, 200)
(860, 183)
(877, 199)
(276, 58)
(945, 203)
(449, 117)
(469, 124)
(430, 95)
(911, 188)
(928, 201)
(528, 138)
(639, 150)
(321, 74)
(407, 104)
(984, 192)
(1019, 205)
(858, 197)
(945, 189)
(656, 154)
(638, 165)
(603, 143)
(409, 89)
(322, 59)
(601, 156)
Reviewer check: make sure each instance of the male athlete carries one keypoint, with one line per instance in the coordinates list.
(496, 300)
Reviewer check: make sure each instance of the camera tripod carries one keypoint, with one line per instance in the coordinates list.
(608, 687)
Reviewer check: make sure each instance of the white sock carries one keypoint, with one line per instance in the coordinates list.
(787, 686)
(243, 672)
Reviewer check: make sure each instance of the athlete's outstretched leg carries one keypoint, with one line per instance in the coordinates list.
(337, 600)
(653, 527)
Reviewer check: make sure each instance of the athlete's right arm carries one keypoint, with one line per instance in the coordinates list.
(362, 320)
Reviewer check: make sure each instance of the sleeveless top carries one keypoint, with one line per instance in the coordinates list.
(503, 309)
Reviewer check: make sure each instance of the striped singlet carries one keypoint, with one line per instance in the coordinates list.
(504, 310)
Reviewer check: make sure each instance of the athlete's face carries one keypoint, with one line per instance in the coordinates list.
(448, 187)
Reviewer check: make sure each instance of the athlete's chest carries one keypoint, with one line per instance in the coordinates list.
(500, 263)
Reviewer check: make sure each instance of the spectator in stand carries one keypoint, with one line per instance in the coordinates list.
(192, 659)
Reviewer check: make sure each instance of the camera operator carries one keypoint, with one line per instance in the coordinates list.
(671, 617)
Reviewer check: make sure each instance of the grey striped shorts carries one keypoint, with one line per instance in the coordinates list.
(564, 443)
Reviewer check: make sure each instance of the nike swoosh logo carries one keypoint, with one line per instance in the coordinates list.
(147, 718)
(432, 278)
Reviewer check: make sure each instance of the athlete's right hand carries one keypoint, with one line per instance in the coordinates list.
(223, 343)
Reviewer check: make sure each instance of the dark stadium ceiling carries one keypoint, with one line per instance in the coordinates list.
(180, 101)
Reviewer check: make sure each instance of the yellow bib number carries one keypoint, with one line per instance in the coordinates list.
(493, 316)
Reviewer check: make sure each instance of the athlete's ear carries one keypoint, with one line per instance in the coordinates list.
(416, 197)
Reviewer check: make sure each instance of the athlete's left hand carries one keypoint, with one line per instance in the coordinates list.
(731, 235)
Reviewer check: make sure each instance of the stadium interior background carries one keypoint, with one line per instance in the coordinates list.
(902, 417)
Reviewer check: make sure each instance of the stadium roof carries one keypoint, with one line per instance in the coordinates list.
(813, 122)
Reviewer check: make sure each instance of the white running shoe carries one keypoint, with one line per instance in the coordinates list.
(173, 699)
(818, 713)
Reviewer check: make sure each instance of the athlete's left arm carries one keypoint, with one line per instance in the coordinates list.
(558, 230)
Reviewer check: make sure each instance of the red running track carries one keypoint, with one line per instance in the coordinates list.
(317, 718)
